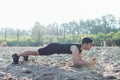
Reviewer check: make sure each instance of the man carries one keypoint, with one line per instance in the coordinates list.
(57, 48)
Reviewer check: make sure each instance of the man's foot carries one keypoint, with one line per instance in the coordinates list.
(15, 59)
(25, 58)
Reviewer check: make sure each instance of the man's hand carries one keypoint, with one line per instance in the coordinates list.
(91, 64)
(88, 64)
(93, 60)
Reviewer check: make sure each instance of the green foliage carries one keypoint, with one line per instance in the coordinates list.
(110, 36)
(11, 41)
(116, 38)
(100, 36)
(69, 38)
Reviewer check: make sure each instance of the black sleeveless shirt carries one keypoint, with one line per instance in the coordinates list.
(65, 48)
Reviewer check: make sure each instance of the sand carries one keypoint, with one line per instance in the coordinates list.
(59, 67)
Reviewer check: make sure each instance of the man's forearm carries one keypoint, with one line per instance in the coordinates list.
(84, 63)
(80, 64)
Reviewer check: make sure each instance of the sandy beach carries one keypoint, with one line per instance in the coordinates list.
(59, 67)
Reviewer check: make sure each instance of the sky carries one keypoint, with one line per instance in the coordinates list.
(22, 14)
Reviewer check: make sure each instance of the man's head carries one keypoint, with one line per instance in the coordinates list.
(87, 43)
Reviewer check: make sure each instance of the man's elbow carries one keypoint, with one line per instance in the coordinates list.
(79, 62)
(75, 62)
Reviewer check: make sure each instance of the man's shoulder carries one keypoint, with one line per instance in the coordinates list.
(74, 47)
(78, 46)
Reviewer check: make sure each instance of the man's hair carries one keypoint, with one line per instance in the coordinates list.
(87, 40)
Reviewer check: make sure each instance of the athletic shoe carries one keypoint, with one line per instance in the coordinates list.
(25, 58)
(15, 58)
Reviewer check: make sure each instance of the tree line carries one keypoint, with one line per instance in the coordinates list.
(106, 28)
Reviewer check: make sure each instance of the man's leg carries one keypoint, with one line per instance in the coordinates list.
(25, 54)
(50, 49)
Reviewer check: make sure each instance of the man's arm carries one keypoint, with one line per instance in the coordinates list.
(77, 59)
(76, 56)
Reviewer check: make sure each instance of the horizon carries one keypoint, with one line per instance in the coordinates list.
(23, 14)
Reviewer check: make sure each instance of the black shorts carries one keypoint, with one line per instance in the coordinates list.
(55, 48)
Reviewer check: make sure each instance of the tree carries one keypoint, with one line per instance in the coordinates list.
(116, 38)
(99, 38)
(55, 25)
(37, 33)
(95, 26)
(108, 23)
(64, 25)
(73, 26)
(18, 37)
(82, 26)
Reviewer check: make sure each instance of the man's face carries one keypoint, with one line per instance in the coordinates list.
(88, 46)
